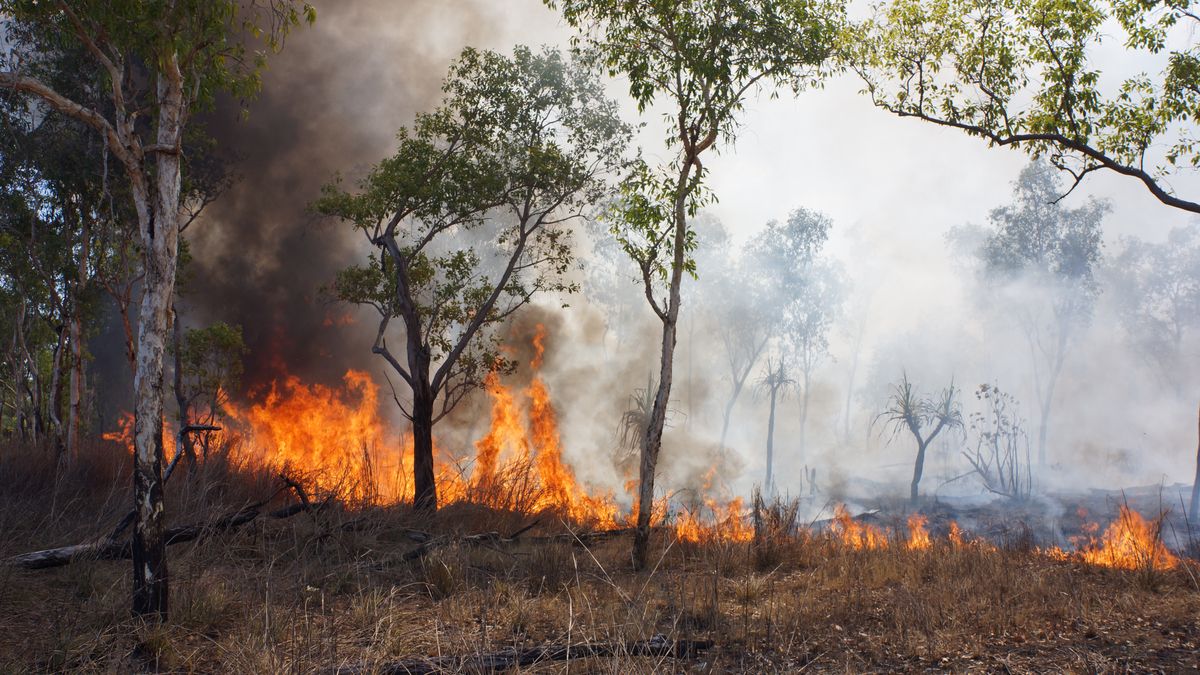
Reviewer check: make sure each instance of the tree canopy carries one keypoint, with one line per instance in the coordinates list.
(1028, 75)
(470, 217)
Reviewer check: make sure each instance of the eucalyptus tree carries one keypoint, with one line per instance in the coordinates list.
(701, 59)
(1038, 265)
(1027, 75)
(159, 62)
(54, 221)
(923, 417)
(471, 220)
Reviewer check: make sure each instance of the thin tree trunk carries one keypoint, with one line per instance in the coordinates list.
(850, 388)
(1047, 404)
(183, 415)
(691, 349)
(77, 384)
(652, 442)
(737, 391)
(769, 485)
(1194, 509)
(54, 401)
(78, 381)
(918, 469)
(804, 416)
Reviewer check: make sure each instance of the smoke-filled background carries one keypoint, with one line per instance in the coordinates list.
(892, 189)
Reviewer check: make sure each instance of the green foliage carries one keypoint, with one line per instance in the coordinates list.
(221, 45)
(704, 57)
(707, 54)
(1024, 73)
(469, 214)
(212, 363)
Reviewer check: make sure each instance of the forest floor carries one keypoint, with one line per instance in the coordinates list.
(342, 587)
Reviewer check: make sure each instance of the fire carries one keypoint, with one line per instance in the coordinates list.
(956, 535)
(336, 439)
(124, 435)
(1129, 542)
(728, 522)
(856, 535)
(918, 536)
(505, 432)
(533, 454)
(333, 434)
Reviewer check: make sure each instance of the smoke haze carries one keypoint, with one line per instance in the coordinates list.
(333, 100)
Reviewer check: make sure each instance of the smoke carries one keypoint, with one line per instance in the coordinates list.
(331, 102)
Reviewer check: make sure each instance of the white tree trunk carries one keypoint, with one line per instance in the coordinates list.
(159, 225)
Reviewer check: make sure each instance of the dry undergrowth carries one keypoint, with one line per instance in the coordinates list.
(310, 592)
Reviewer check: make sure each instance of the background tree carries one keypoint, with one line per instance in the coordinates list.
(208, 367)
(1038, 263)
(1024, 74)
(704, 57)
(55, 221)
(775, 382)
(520, 147)
(1156, 289)
(745, 322)
(806, 290)
(158, 62)
(924, 417)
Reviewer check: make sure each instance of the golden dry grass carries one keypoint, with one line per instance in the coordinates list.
(307, 593)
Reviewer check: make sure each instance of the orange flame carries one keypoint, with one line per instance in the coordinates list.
(856, 535)
(124, 435)
(552, 483)
(334, 434)
(1129, 542)
(918, 536)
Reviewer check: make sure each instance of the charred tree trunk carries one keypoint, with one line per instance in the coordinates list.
(424, 482)
(918, 469)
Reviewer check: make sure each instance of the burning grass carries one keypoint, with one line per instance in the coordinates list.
(347, 584)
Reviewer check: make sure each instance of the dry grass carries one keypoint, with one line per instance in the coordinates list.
(310, 592)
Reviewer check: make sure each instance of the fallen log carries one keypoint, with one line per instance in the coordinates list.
(111, 549)
(659, 645)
